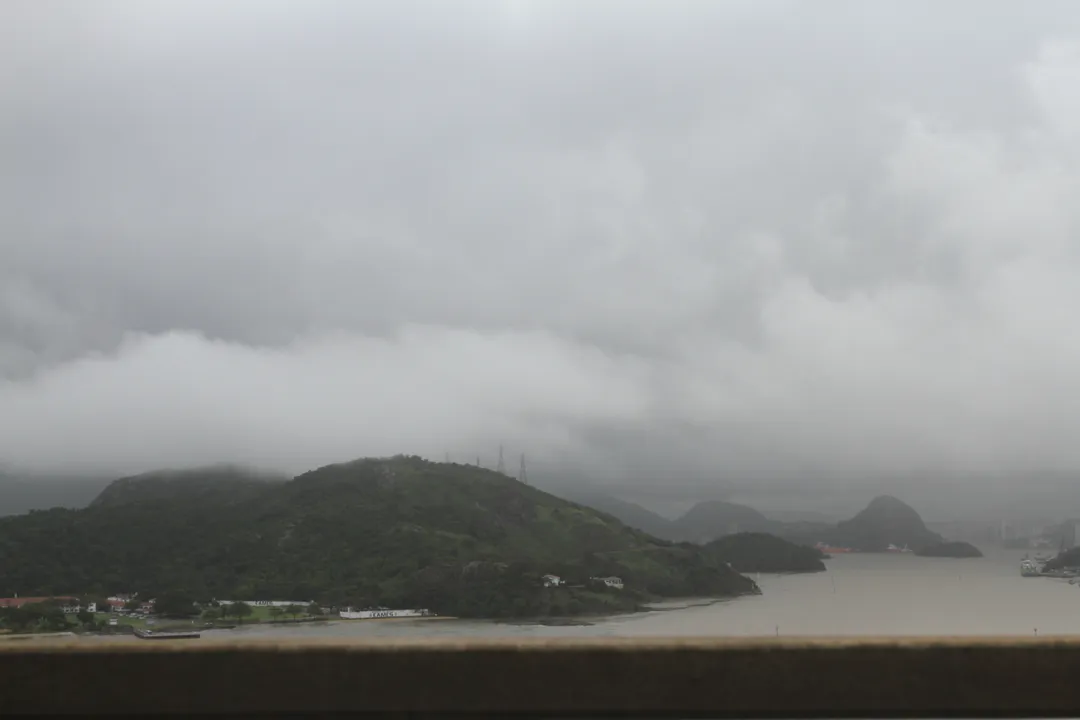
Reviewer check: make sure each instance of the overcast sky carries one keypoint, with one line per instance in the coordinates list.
(754, 240)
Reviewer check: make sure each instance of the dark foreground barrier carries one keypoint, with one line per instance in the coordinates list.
(684, 678)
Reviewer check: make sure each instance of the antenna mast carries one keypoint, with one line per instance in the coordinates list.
(523, 475)
(501, 467)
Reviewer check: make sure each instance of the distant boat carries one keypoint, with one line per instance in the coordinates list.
(165, 635)
(894, 549)
(1031, 568)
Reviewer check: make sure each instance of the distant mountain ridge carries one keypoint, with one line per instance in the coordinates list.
(714, 519)
(885, 521)
(628, 513)
(717, 527)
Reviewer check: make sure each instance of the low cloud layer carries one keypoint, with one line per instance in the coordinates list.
(763, 242)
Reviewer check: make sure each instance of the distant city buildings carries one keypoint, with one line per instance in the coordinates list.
(1070, 534)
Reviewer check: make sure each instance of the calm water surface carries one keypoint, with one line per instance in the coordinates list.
(858, 595)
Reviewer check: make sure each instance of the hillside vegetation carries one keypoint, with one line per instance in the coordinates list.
(396, 532)
(761, 552)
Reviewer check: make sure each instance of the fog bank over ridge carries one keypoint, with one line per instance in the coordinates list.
(777, 245)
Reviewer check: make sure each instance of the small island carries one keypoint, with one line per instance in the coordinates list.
(950, 550)
(761, 552)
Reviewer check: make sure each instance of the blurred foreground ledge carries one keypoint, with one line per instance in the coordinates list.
(595, 677)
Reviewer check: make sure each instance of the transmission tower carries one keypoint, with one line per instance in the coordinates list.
(501, 467)
(447, 458)
(523, 475)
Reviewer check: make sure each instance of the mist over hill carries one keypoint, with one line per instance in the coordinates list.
(221, 484)
(21, 492)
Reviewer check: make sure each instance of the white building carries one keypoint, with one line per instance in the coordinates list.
(552, 580)
(611, 582)
(268, 603)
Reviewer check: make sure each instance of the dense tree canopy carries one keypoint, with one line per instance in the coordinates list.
(761, 552)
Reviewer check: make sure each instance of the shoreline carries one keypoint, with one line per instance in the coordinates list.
(582, 620)
(667, 605)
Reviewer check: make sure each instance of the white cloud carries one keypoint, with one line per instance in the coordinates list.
(378, 231)
(180, 399)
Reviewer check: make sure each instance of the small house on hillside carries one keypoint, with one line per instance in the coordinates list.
(552, 580)
(611, 582)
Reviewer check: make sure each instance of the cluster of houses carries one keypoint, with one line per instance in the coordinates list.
(71, 605)
(269, 603)
(125, 604)
(556, 581)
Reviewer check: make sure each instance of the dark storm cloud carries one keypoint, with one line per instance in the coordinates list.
(750, 240)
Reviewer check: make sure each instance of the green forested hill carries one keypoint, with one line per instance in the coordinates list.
(761, 552)
(401, 531)
(885, 521)
(713, 519)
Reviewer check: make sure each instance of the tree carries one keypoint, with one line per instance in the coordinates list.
(133, 604)
(175, 604)
(42, 617)
(314, 609)
(241, 610)
(293, 610)
(276, 612)
(85, 617)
